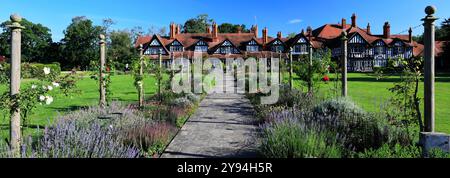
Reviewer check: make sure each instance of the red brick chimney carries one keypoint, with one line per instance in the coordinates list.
(279, 35)
(255, 30)
(208, 29)
(178, 29)
(309, 31)
(265, 37)
(368, 29)
(410, 35)
(354, 20)
(172, 30)
(215, 32)
(387, 30)
(344, 23)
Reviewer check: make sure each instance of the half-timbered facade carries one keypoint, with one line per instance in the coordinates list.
(365, 50)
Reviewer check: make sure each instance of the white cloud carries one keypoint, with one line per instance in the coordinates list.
(294, 21)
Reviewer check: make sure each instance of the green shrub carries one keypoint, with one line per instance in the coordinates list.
(35, 70)
(361, 130)
(438, 153)
(396, 151)
(289, 138)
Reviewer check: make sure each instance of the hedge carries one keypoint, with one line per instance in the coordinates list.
(34, 70)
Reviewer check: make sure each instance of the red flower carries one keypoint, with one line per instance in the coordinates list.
(326, 78)
(107, 69)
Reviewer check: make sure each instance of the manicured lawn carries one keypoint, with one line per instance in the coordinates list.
(372, 94)
(122, 90)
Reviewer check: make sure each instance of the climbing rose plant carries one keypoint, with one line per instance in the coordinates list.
(39, 92)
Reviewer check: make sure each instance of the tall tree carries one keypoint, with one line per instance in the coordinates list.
(121, 49)
(36, 40)
(80, 43)
(198, 24)
(232, 28)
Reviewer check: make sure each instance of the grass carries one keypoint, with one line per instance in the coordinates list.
(122, 89)
(372, 94)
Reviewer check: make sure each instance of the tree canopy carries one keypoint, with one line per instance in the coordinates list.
(36, 40)
(232, 28)
(80, 42)
(197, 24)
(120, 49)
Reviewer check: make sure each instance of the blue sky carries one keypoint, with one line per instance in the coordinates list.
(278, 15)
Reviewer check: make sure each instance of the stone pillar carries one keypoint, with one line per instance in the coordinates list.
(16, 38)
(290, 69)
(429, 44)
(102, 71)
(141, 73)
(344, 63)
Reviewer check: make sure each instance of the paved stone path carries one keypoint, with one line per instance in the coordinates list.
(221, 127)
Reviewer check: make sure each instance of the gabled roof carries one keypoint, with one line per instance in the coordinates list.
(213, 49)
(161, 41)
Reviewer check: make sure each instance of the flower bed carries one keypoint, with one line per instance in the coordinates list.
(302, 126)
(117, 131)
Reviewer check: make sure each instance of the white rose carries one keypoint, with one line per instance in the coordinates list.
(55, 84)
(41, 98)
(50, 88)
(49, 100)
(46, 70)
(33, 86)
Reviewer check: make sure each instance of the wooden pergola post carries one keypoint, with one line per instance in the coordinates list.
(160, 75)
(344, 49)
(290, 69)
(280, 70)
(429, 43)
(16, 40)
(102, 81)
(310, 66)
(141, 74)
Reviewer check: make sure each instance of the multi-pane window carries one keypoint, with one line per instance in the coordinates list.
(357, 49)
(155, 48)
(379, 50)
(277, 46)
(227, 48)
(201, 46)
(301, 48)
(176, 46)
(398, 48)
(252, 46)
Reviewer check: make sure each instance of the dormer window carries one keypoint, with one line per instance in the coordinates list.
(176, 46)
(155, 47)
(201, 46)
(252, 46)
(277, 46)
(227, 48)
(301, 47)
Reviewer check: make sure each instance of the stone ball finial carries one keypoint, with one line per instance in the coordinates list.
(430, 10)
(15, 18)
(141, 46)
(102, 37)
